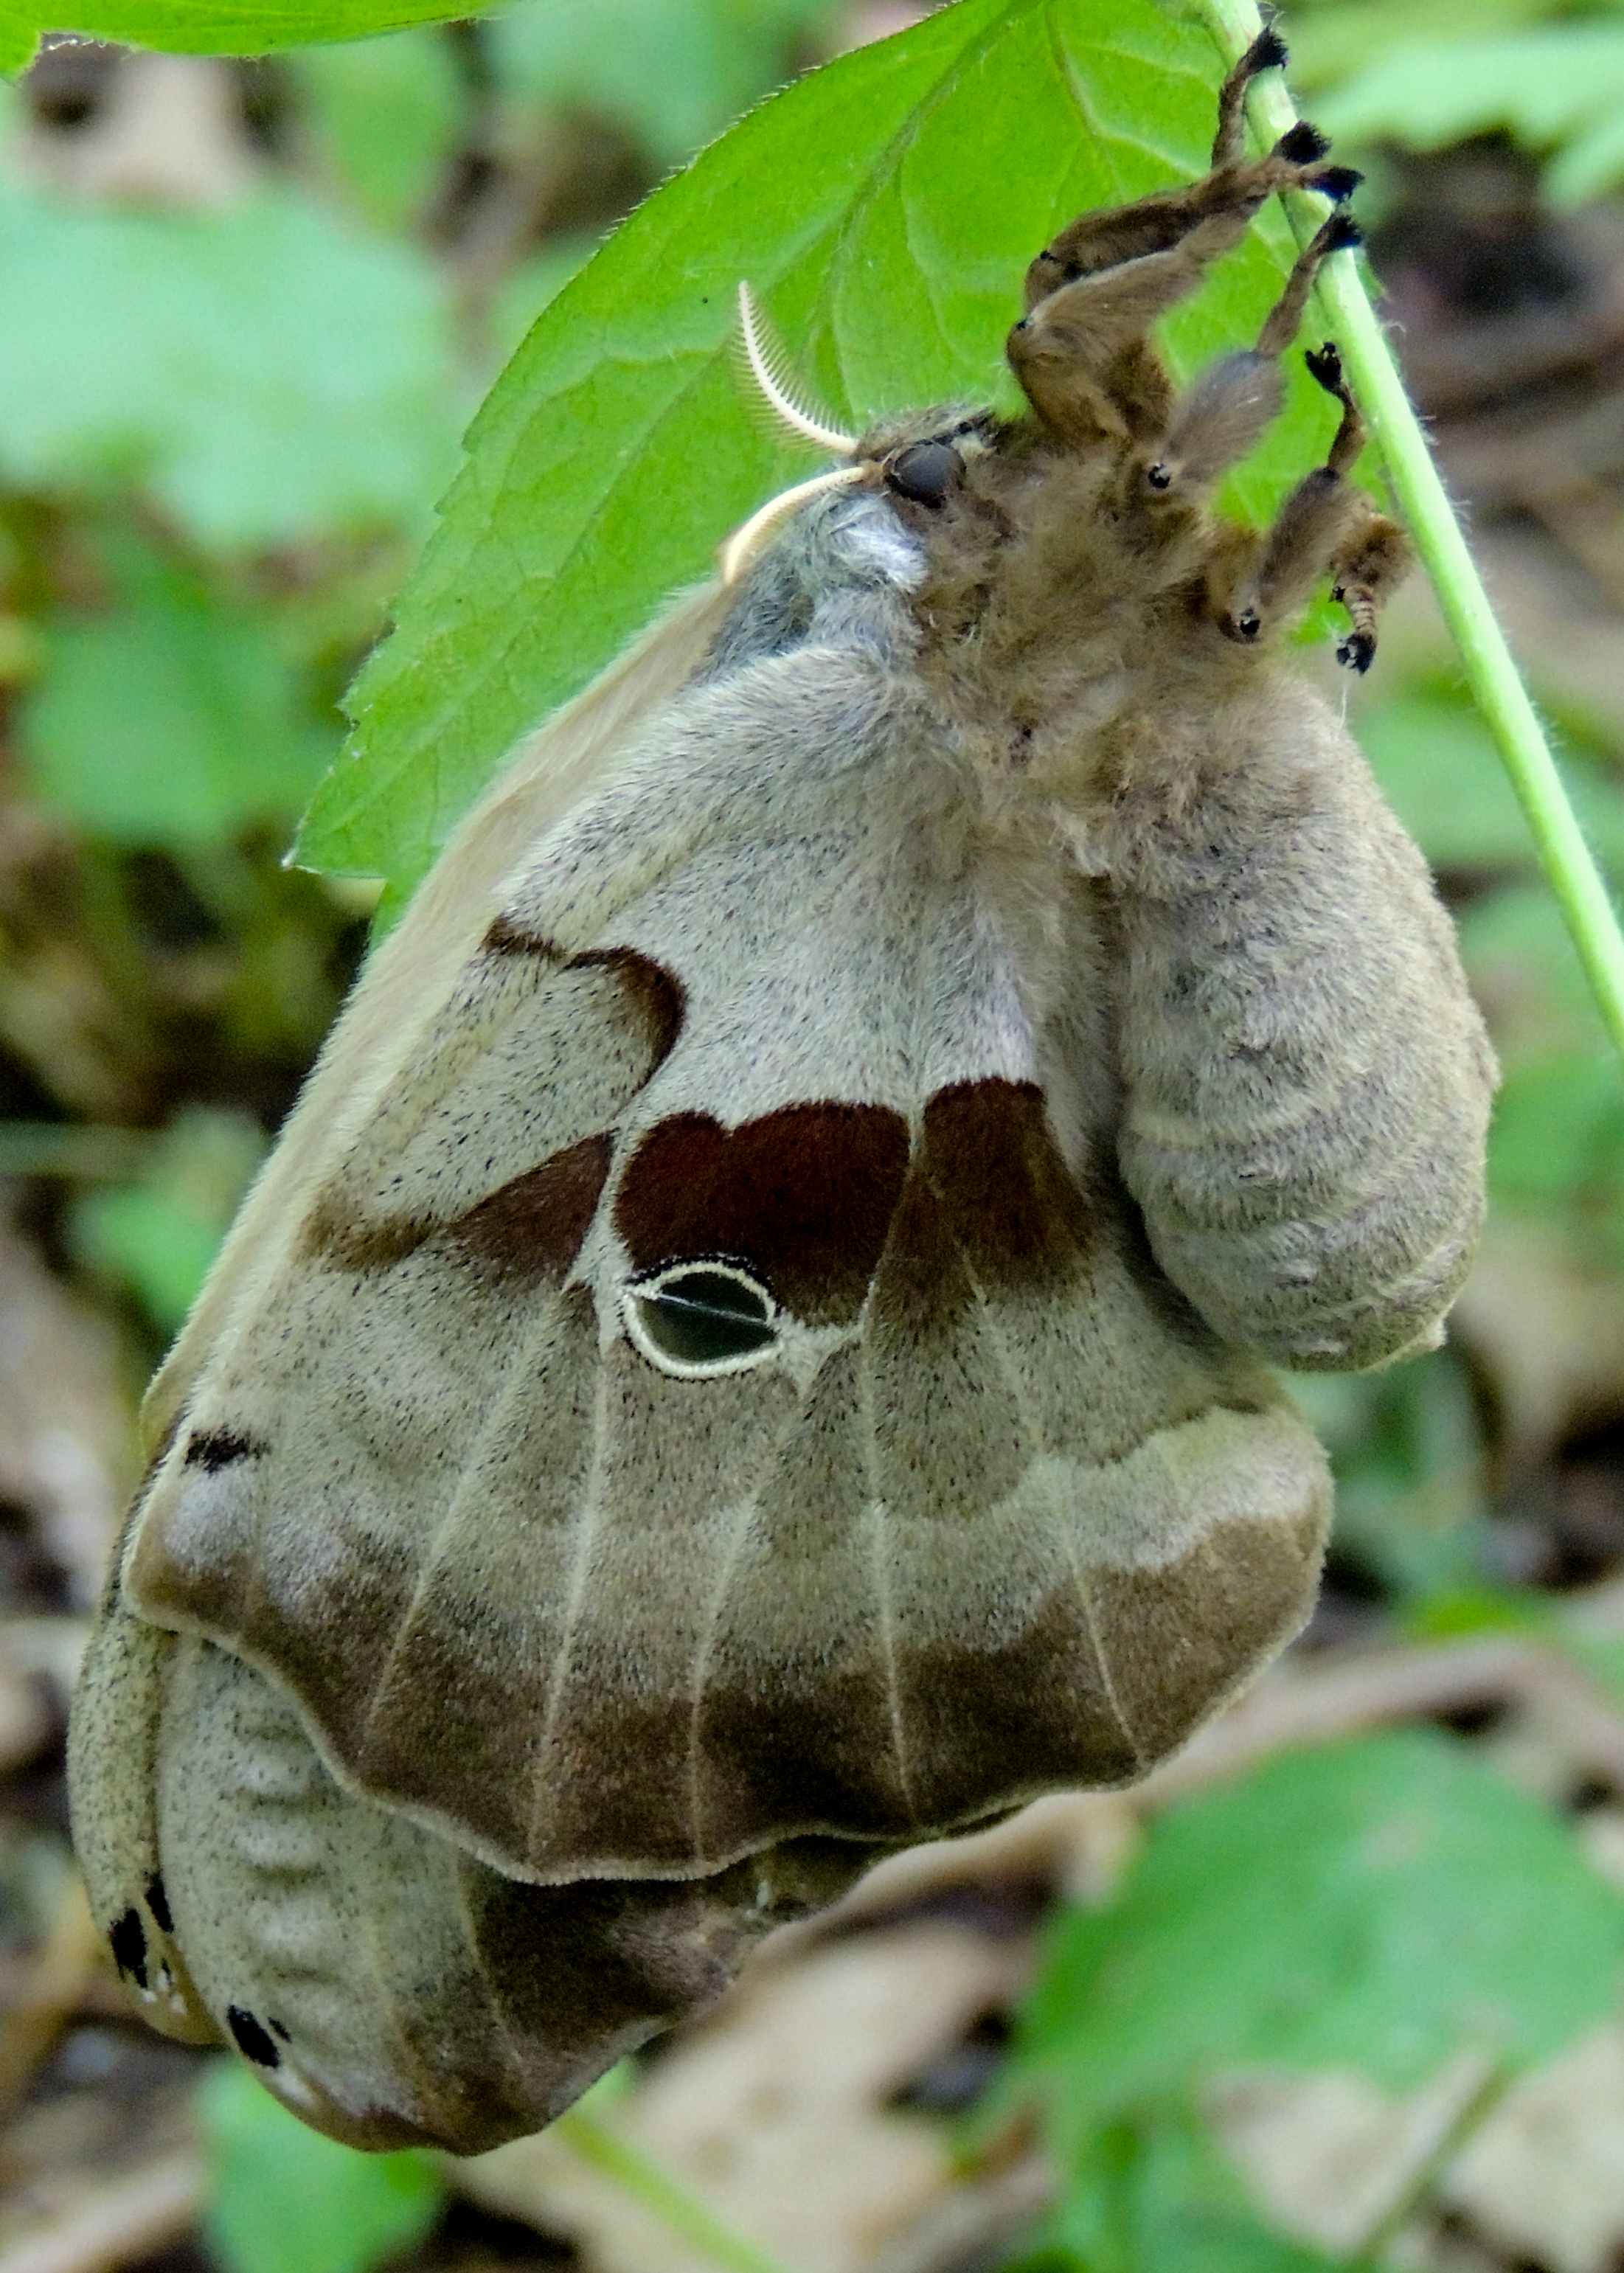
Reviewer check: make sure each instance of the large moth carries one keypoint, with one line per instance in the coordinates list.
(755, 1347)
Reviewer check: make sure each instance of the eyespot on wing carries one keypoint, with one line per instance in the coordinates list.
(699, 1319)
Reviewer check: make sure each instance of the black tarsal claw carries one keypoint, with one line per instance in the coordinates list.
(1341, 233)
(1268, 52)
(1326, 364)
(1356, 651)
(1302, 144)
(1337, 182)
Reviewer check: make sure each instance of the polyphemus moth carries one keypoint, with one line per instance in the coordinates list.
(755, 1347)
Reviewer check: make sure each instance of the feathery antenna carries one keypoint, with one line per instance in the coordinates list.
(743, 546)
(770, 367)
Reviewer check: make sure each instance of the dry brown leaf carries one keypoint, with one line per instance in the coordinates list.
(66, 1423)
(1543, 2176)
(1331, 2157)
(1548, 1332)
(775, 2112)
(95, 2227)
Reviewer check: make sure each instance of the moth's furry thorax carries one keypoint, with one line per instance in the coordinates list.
(1056, 609)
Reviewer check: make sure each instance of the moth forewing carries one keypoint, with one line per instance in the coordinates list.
(405, 984)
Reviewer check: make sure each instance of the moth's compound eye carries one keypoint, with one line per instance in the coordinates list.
(1248, 624)
(1160, 477)
(928, 472)
(699, 1318)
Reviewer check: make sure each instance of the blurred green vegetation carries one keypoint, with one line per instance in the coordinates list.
(226, 415)
(287, 2200)
(1385, 1906)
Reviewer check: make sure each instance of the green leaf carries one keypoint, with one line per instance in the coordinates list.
(158, 1235)
(172, 719)
(385, 115)
(215, 28)
(886, 208)
(1543, 85)
(1558, 1143)
(532, 287)
(19, 40)
(1592, 163)
(1522, 963)
(1602, 1658)
(1378, 1905)
(1333, 40)
(1407, 1453)
(268, 373)
(1436, 759)
(1447, 1615)
(1153, 2195)
(284, 2199)
(673, 72)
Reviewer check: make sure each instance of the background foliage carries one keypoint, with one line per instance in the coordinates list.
(235, 363)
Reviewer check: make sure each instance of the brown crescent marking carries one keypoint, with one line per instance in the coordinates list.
(364, 1247)
(533, 1226)
(978, 1722)
(805, 1194)
(505, 937)
(654, 1002)
(1176, 1639)
(923, 1289)
(1035, 1710)
(652, 990)
(987, 1153)
(215, 1449)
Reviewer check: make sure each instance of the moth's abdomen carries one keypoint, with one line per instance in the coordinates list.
(1307, 1079)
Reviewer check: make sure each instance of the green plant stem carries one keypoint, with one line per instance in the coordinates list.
(1490, 671)
(1419, 2189)
(663, 2196)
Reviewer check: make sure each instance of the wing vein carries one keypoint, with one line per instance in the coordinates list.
(749, 1507)
(470, 1481)
(879, 1540)
(586, 1534)
(1035, 1429)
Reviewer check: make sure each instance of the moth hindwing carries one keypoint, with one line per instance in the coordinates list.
(756, 1347)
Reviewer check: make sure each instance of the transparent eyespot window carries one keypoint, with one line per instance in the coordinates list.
(700, 1318)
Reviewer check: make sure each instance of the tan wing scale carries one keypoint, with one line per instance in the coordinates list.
(387, 1986)
(590, 1618)
(403, 989)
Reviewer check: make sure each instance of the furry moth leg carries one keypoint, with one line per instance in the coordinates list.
(1325, 526)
